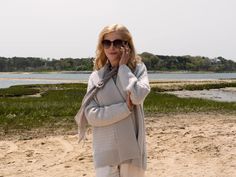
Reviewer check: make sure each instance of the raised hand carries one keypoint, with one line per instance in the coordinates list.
(125, 56)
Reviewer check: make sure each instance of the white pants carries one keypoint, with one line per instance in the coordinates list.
(123, 170)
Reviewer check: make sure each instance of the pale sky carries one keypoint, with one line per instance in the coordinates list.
(70, 28)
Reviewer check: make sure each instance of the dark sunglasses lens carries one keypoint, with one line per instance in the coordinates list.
(117, 43)
(106, 43)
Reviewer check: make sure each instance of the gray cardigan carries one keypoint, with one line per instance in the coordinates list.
(118, 133)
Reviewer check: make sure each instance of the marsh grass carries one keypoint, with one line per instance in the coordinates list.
(59, 103)
(164, 103)
(15, 91)
(206, 86)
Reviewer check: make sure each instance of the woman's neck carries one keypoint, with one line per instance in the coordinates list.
(113, 65)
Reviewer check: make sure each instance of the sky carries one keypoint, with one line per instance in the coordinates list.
(70, 28)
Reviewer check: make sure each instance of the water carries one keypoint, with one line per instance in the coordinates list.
(186, 76)
(223, 94)
(53, 76)
(9, 79)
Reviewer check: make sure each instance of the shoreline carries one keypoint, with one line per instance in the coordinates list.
(48, 72)
(43, 79)
(152, 81)
(175, 87)
(227, 94)
(89, 72)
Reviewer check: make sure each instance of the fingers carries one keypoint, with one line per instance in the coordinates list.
(125, 54)
(126, 49)
(129, 102)
(129, 93)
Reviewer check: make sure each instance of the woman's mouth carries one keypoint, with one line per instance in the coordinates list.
(113, 53)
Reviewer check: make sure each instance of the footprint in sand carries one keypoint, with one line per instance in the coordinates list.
(64, 145)
(50, 145)
(67, 147)
(7, 147)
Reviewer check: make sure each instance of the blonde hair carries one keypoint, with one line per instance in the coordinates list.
(101, 59)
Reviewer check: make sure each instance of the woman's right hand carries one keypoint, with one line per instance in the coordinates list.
(125, 55)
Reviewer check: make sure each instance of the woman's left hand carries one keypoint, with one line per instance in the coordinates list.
(125, 56)
(129, 102)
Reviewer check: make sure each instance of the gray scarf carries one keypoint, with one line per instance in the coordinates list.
(80, 116)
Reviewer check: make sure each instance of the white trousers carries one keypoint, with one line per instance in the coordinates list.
(123, 170)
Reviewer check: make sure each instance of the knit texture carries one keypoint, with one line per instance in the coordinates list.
(91, 92)
(118, 133)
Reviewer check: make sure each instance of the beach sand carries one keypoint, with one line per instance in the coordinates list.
(181, 145)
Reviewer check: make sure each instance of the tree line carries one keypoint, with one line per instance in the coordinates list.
(187, 63)
(153, 63)
(32, 64)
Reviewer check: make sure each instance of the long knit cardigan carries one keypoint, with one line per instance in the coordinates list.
(115, 140)
(91, 92)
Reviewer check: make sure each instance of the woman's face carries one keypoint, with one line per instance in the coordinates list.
(112, 43)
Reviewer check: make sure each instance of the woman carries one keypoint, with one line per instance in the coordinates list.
(116, 111)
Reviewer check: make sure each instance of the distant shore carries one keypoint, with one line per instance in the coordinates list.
(44, 79)
(48, 72)
(89, 72)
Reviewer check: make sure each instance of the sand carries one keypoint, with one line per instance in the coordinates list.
(227, 94)
(182, 145)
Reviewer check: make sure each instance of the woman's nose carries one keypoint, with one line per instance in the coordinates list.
(112, 47)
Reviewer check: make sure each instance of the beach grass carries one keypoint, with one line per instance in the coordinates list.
(15, 91)
(58, 104)
(172, 86)
(208, 86)
(163, 103)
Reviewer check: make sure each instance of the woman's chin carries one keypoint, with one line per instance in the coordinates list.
(114, 62)
(114, 59)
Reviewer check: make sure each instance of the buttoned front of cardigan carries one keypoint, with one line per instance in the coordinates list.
(118, 133)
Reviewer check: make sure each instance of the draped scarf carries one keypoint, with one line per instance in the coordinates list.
(80, 117)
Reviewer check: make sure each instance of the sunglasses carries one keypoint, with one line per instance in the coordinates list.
(118, 43)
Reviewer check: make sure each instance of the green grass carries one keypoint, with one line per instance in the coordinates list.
(208, 86)
(57, 105)
(164, 103)
(15, 91)
(60, 102)
(194, 87)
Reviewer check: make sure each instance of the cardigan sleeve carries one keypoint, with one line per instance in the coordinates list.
(105, 115)
(98, 116)
(137, 85)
